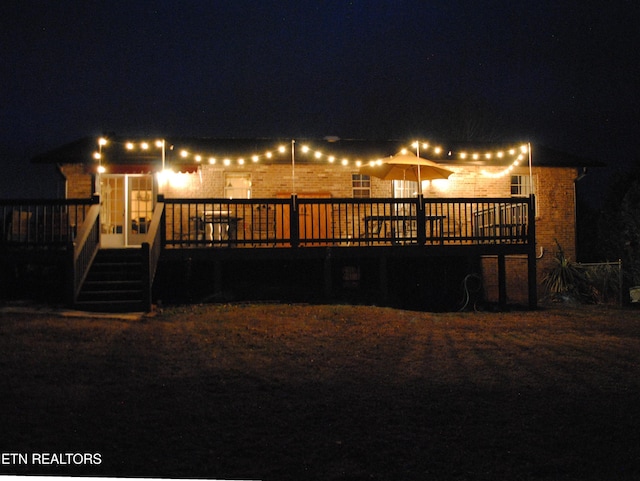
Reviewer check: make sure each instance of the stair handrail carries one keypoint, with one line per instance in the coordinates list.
(85, 248)
(151, 250)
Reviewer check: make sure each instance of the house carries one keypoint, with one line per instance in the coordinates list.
(497, 216)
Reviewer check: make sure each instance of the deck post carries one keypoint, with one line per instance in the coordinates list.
(421, 220)
(502, 281)
(294, 222)
(217, 278)
(532, 280)
(327, 273)
(532, 277)
(163, 223)
(384, 278)
(71, 274)
(145, 252)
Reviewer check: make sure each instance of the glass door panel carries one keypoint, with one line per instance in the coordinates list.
(140, 207)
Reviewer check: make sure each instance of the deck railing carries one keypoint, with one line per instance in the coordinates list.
(47, 223)
(500, 221)
(294, 222)
(290, 222)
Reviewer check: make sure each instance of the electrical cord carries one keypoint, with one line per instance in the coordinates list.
(469, 289)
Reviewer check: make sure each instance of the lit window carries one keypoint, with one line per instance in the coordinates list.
(361, 186)
(237, 185)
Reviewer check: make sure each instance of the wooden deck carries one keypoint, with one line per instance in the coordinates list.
(292, 229)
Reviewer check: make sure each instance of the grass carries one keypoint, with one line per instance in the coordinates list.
(327, 392)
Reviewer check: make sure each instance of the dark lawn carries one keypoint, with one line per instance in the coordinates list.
(280, 392)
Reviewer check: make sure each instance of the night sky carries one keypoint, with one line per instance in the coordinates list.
(562, 73)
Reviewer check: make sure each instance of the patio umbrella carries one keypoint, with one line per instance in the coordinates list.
(406, 167)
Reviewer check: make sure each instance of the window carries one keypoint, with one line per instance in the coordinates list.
(237, 185)
(522, 185)
(405, 188)
(361, 185)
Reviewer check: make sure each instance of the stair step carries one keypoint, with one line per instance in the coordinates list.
(110, 296)
(117, 284)
(111, 306)
(114, 282)
(119, 253)
(105, 276)
(112, 286)
(118, 263)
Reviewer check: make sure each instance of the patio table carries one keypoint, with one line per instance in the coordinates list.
(400, 227)
(220, 225)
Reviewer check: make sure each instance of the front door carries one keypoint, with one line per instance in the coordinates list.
(127, 208)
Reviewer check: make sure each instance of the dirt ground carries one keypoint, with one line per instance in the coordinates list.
(283, 392)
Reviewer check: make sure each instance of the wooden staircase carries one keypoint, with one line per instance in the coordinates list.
(115, 282)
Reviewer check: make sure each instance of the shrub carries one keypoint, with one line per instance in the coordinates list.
(604, 280)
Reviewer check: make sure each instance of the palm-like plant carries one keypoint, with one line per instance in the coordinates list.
(567, 279)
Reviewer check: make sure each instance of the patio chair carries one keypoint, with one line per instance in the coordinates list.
(19, 226)
(263, 224)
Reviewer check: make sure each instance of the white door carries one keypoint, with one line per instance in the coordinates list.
(113, 210)
(127, 208)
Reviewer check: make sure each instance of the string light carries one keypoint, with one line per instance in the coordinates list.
(505, 171)
(516, 152)
(98, 155)
(344, 161)
(426, 149)
(227, 161)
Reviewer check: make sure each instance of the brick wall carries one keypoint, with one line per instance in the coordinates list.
(555, 220)
(78, 181)
(554, 188)
(276, 179)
